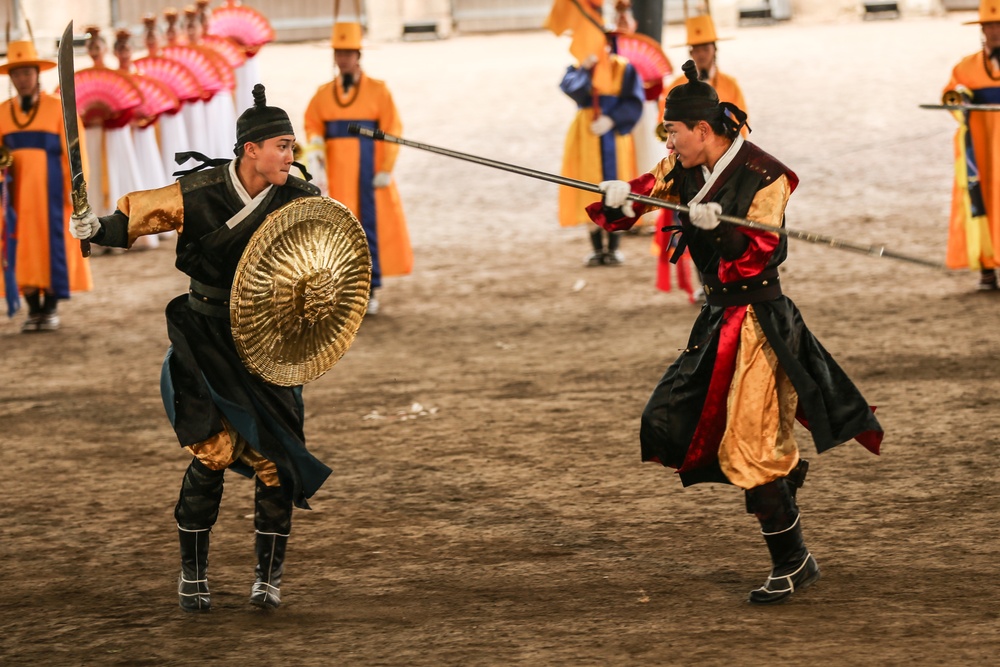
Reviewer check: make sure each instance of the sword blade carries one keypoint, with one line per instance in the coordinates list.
(67, 92)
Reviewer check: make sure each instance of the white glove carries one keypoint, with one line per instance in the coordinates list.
(316, 161)
(85, 226)
(705, 216)
(602, 125)
(616, 196)
(381, 179)
(589, 61)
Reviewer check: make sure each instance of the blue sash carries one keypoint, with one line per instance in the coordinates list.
(52, 145)
(337, 129)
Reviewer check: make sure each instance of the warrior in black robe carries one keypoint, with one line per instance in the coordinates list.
(226, 416)
(725, 410)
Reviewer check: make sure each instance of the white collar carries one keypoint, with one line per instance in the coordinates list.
(249, 203)
(711, 176)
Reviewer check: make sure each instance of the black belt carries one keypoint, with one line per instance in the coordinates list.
(762, 287)
(208, 300)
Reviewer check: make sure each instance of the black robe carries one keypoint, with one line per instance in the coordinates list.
(203, 377)
(675, 416)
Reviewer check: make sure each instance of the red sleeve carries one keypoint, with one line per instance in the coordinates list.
(640, 186)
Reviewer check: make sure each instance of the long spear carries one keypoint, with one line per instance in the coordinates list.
(820, 239)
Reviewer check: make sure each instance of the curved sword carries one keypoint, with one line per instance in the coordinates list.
(67, 93)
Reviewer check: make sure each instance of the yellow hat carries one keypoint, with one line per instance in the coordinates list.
(989, 12)
(23, 54)
(701, 30)
(347, 36)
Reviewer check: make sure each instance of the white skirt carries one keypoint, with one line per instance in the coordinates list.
(93, 142)
(174, 138)
(221, 116)
(150, 160)
(123, 172)
(247, 76)
(198, 131)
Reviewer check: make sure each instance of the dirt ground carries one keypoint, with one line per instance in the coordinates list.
(488, 505)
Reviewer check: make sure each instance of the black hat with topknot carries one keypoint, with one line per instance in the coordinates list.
(697, 100)
(694, 100)
(261, 122)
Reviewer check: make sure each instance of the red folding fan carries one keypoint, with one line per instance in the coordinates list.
(244, 24)
(181, 81)
(105, 97)
(227, 76)
(157, 98)
(645, 54)
(227, 47)
(199, 64)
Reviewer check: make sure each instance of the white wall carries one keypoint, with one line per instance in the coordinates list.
(387, 17)
(49, 18)
(832, 10)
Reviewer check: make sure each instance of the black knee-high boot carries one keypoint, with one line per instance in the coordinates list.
(613, 257)
(793, 567)
(34, 301)
(196, 512)
(273, 523)
(597, 240)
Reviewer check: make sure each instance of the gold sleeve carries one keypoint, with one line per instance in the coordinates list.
(768, 205)
(153, 211)
(661, 187)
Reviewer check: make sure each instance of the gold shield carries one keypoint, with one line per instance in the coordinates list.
(301, 291)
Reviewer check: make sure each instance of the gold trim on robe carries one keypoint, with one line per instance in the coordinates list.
(153, 211)
(758, 445)
(226, 447)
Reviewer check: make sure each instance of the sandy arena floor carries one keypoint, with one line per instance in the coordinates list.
(510, 521)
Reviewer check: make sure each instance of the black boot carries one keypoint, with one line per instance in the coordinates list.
(793, 567)
(597, 241)
(34, 301)
(192, 585)
(273, 522)
(614, 256)
(266, 590)
(196, 512)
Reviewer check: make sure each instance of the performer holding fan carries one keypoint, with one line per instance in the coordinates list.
(107, 100)
(174, 134)
(252, 31)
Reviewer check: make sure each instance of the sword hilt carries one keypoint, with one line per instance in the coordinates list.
(81, 207)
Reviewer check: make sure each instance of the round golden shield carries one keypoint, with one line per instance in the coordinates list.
(301, 291)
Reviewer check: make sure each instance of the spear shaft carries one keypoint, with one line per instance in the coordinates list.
(810, 237)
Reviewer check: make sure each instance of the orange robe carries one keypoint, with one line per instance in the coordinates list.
(974, 229)
(352, 161)
(37, 206)
(587, 156)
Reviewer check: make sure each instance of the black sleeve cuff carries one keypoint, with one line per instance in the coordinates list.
(113, 232)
